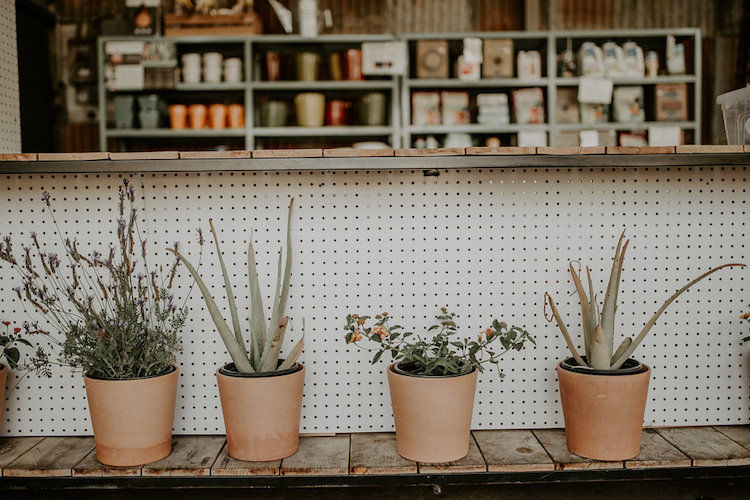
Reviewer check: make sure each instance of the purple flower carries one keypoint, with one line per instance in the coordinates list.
(123, 324)
(6, 239)
(26, 325)
(121, 223)
(200, 236)
(45, 198)
(33, 235)
(53, 260)
(176, 245)
(140, 276)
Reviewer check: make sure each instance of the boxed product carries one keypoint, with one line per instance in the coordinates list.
(493, 109)
(469, 63)
(529, 66)
(590, 60)
(528, 105)
(432, 59)
(592, 113)
(633, 139)
(627, 105)
(455, 108)
(425, 108)
(671, 102)
(498, 59)
(567, 105)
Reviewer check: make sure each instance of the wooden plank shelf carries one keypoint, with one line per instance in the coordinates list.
(495, 456)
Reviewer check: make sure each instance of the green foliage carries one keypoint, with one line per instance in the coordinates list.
(8, 345)
(105, 313)
(443, 354)
(265, 343)
(746, 317)
(599, 328)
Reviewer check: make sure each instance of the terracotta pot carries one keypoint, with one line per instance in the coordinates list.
(217, 116)
(261, 413)
(236, 115)
(198, 114)
(3, 379)
(432, 415)
(178, 116)
(603, 413)
(132, 419)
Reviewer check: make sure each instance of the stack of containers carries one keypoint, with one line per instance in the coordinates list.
(191, 68)
(493, 109)
(212, 62)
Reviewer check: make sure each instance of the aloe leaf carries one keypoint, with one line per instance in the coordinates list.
(281, 298)
(257, 313)
(295, 352)
(610, 299)
(270, 357)
(600, 357)
(585, 310)
(623, 346)
(236, 352)
(625, 355)
(564, 332)
(228, 287)
(593, 316)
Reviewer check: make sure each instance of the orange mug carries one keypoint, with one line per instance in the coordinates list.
(217, 115)
(197, 115)
(178, 116)
(236, 115)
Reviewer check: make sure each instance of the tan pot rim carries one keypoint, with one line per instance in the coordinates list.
(298, 366)
(645, 368)
(167, 371)
(392, 368)
(635, 368)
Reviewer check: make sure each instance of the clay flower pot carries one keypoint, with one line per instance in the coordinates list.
(603, 413)
(132, 418)
(261, 412)
(432, 415)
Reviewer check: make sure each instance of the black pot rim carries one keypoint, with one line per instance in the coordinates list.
(230, 371)
(629, 367)
(396, 369)
(165, 371)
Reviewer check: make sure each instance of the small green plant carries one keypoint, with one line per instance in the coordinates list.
(105, 313)
(599, 327)
(265, 343)
(746, 317)
(8, 345)
(441, 355)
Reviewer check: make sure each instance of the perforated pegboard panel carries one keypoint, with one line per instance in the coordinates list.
(485, 243)
(10, 114)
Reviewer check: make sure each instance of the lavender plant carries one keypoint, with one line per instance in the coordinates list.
(441, 355)
(105, 313)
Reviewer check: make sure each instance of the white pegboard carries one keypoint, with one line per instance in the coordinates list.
(485, 243)
(10, 113)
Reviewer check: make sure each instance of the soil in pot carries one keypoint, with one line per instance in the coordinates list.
(603, 412)
(132, 418)
(432, 415)
(261, 412)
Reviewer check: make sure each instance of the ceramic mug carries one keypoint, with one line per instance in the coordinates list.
(307, 66)
(353, 58)
(236, 115)
(337, 112)
(273, 66)
(217, 116)
(233, 70)
(310, 108)
(372, 109)
(273, 113)
(178, 116)
(334, 66)
(197, 115)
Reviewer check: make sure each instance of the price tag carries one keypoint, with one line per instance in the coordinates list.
(595, 90)
(664, 136)
(384, 58)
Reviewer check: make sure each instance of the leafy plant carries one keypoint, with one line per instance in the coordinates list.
(107, 313)
(440, 355)
(8, 342)
(746, 317)
(264, 348)
(599, 327)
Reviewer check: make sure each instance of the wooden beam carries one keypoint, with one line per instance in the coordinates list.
(706, 446)
(513, 451)
(228, 466)
(375, 453)
(472, 462)
(12, 448)
(657, 452)
(319, 456)
(554, 443)
(191, 456)
(51, 457)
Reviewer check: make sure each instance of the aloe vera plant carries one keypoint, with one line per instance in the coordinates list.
(599, 325)
(265, 343)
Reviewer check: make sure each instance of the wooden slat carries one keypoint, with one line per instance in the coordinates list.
(431, 152)
(706, 446)
(216, 154)
(356, 153)
(510, 150)
(19, 157)
(145, 155)
(646, 150)
(375, 453)
(737, 433)
(327, 456)
(657, 452)
(53, 456)
(553, 441)
(472, 462)
(191, 456)
(588, 150)
(288, 153)
(747, 148)
(228, 466)
(513, 451)
(691, 148)
(73, 156)
(12, 448)
(91, 467)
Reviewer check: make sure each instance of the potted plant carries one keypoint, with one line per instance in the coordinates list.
(603, 392)
(432, 381)
(261, 395)
(12, 356)
(111, 316)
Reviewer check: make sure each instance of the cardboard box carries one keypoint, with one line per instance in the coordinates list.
(671, 102)
(498, 59)
(627, 104)
(455, 108)
(594, 113)
(528, 105)
(567, 105)
(425, 108)
(432, 59)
